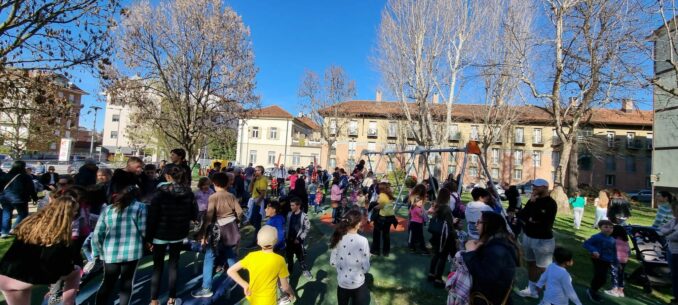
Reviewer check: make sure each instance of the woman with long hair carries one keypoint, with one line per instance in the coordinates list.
(601, 204)
(118, 241)
(620, 208)
(351, 256)
(41, 254)
(18, 191)
(492, 260)
(415, 228)
(169, 219)
(443, 237)
(381, 235)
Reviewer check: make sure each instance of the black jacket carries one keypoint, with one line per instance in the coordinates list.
(38, 265)
(21, 190)
(87, 175)
(172, 209)
(122, 179)
(493, 267)
(46, 177)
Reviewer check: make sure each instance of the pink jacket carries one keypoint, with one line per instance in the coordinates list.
(335, 194)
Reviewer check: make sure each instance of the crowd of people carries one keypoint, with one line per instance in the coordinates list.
(103, 219)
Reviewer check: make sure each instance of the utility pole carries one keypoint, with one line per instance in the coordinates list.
(94, 126)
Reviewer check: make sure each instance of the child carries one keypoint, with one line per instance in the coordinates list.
(277, 221)
(559, 290)
(202, 196)
(312, 191)
(578, 202)
(351, 256)
(335, 198)
(342, 209)
(416, 225)
(298, 226)
(265, 269)
(474, 209)
(603, 250)
(617, 270)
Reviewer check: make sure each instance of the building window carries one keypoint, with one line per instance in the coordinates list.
(518, 157)
(353, 128)
(610, 180)
(648, 141)
(372, 129)
(610, 164)
(585, 162)
(296, 158)
(474, 132)
(390, 147)
(452, 157)
(518, 174)
(389, 166)
(116, 118)
(630, 164)
(474, 159)
(495, 156)
(648, 165)
(333, 127)
(52, 145)
(392, 129)
(333, 163)
(630, 138)
(351, 149)
(67, 134)
(273, 133)
(71, 98)
(371, 146)
(584, 133)
(453, 132)
(68, 124)
(496, 134)
(451, 169)
(537, 136)
(473, 171)
(253, 156)
(519, 135)
(536, 155)
(271, 157)
(555, 140)
(114, 134)
(495, 173)
(255, 133)
(610, 139)
(555, 159)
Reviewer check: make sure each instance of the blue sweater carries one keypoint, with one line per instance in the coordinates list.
(278, 222)
(604, 245)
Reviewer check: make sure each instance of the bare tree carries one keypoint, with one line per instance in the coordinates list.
(593, 48)
(195, 69)
(322, 98)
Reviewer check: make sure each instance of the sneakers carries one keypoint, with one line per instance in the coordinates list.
(202, 293)
(612, 292)
(528, 293)
(88, 267)
(177, 301)
(284, 300)
(308, 275)
(593, 296)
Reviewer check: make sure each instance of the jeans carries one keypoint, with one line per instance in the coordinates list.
(224, 252)
(600, 271)
(578, 214)
(358, 296)
(7, 210)
(87, 248)
(600, 215)
(124, 271)
(159, 251)
(617, 275)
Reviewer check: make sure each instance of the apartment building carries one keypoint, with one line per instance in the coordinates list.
(529, 149)
(271, 136)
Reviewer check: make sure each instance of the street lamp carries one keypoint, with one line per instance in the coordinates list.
(94, 125)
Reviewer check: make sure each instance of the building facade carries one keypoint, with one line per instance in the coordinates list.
(271, 136)
(617, 154)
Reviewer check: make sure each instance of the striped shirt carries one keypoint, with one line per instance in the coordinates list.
(119, 236)
(664, 215)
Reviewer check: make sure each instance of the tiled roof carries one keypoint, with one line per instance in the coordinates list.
(470, 112)
(308, 122)
(271, 112)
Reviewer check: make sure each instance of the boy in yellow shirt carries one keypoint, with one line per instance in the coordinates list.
(265, 269)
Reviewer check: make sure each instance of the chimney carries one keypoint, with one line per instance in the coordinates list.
(435, 98)
(378, 98)
(627, 105)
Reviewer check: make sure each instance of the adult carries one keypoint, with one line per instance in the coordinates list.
(215, 169)
(118, 241)
(169, 217)
(301, 193)
(601, 203)
(492, 260)
(124, 177)
(87, 174)
(178, 159)
(41, 254)
(619, 210)
(513, 197)
(224, 211)
(258, 189)
(443, 237)
(40, 168)
(367, 182)
(238, 184)
(381, 235)
(99, 192)
(281, 176)
(249, 175)
(537, 218)
(149, 182)
(18, 190)
(578, 202)
(664, 200)
(49, 179)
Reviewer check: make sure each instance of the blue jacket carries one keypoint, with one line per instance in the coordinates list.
(604, 245)
(278, 222)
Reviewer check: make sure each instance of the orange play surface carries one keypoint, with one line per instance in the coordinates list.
(367, 226)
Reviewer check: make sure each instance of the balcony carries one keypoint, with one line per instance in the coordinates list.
(372, 133)
(519, 141)
(454, 137)
(353, 132)
(301, 142)
(555, 141)
(392, 134)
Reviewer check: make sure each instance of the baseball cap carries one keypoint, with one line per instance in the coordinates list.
(540, 182)
(267, 236)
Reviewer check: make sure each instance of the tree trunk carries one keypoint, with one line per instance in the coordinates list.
(561, 171)
(573, 169)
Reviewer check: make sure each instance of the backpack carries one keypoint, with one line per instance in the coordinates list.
(459, 208)
(436, 225)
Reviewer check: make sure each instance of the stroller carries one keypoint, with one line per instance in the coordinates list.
(650, 250)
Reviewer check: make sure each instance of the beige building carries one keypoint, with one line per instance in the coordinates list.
(271, 136)
(530, 149)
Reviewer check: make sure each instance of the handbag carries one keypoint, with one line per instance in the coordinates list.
(3, 198)
(213, 234)
(230, 234)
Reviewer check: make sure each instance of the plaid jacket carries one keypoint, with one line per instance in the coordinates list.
(119, 236)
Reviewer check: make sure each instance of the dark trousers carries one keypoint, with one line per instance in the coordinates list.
(416, 237)
(159, 266)
(617, 275)
(673, 264)
(124, 271)
(600, 271)
(293, 249)
(281, 184)
(255, 220)
(439, 258)
(358, 296)
(381, 235)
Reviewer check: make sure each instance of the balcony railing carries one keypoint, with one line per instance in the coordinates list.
(372, 133)
(305, 143)
(455, 136)
(353, 132)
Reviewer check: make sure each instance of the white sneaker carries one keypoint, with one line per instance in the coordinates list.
(527, 293)
(308, 275)
(612, 292)
(88, 267)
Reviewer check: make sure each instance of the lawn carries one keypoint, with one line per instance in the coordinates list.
(400, 278)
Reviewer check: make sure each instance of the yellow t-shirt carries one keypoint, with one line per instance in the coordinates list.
(385, 205)
(264, 269)
(260, 185)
